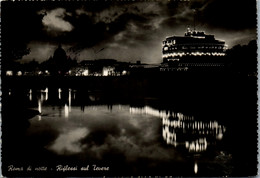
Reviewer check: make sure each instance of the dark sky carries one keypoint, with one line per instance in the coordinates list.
(126, 31)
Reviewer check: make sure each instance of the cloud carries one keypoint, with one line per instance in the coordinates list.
(69, 142)
(83, 12)
(107, 133)
(135, 31)
(109, 15)
(54, 21)
(131, 31)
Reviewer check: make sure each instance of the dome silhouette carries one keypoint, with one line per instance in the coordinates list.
(59, 63)
(59, 55)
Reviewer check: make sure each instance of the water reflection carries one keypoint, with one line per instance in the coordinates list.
(103, 131)
(103, 128)
(39, 105)
(30, 94)
(59, 91)
(179, 129)
(195, 167)
(45, 94)
(66, 111)
(68, 142)
(73, 125)
(195, 135)
(159, 113)
(69, 100)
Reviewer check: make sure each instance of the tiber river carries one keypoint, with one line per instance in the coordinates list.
(77, 130)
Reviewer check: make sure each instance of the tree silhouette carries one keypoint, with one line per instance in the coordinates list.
(243, 59)
(18, 29)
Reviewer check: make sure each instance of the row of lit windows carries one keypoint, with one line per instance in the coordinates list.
(180, 54)
(80, 72)
(169, 42)
(173, 43)
(202, 64)
(20, 73)
(166, 48)
(168, 69)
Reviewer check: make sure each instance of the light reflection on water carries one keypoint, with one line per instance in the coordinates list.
(95, 130)
(177, 128)
(133, 135)
(40, 106)
(30, 95)
(196, 168)
(195, 135)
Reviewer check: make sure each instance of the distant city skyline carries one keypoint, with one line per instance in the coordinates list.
(125, 31)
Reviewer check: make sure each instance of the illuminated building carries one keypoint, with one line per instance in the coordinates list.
(108, 71)
(100, 67)
(194, 49)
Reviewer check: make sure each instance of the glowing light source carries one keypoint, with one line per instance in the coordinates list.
(108, 71)
(105, 72)
(19, 73)
(195, 168)
(85, 73)
(9, 73)
(124, 72)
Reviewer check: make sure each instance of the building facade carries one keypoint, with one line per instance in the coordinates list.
(194, 49)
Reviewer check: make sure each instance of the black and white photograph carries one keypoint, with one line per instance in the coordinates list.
(129, 88)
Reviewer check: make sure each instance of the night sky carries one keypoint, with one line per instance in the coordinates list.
(121, 30)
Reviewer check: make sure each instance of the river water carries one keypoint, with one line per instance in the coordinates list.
(78, 128)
